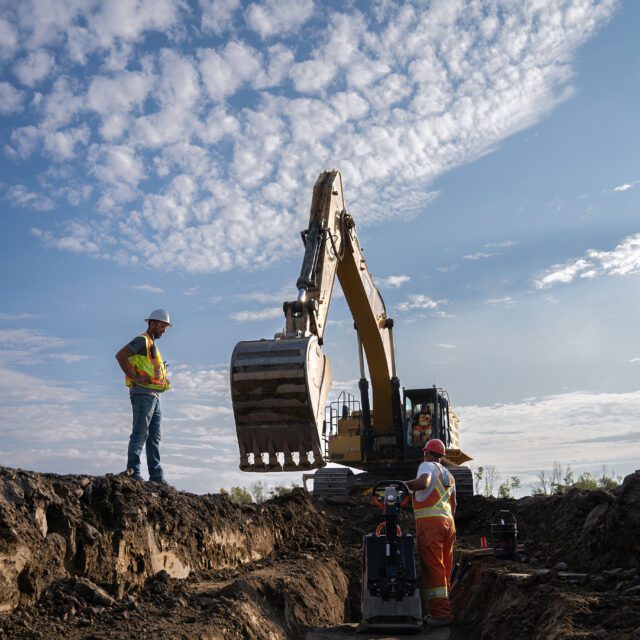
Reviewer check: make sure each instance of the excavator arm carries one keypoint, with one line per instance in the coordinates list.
(279, 387)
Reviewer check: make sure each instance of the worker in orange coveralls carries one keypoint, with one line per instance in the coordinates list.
(434, 504)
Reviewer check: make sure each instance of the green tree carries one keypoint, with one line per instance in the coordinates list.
(281, 490)
(239, 495)
(507, 488)
(557, 482)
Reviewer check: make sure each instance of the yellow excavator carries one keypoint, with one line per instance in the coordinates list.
(279, 387)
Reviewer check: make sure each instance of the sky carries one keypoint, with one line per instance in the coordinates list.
(162, 153)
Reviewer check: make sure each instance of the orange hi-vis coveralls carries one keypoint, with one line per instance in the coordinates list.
(435, 535)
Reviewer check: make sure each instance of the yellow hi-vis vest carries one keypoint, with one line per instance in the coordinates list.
(438, 502)
(149, 366)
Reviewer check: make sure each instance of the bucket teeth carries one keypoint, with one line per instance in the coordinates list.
(278, 391)
(289, 464)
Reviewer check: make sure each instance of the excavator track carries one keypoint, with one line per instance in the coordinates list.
(278, 391)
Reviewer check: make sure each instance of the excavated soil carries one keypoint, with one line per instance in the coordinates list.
(108, 557)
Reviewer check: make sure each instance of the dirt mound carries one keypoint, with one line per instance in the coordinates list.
(580, 575)
(586, 530)
(79, 554)
(108, 557)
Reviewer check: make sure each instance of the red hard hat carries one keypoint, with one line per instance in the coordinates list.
(434, 445)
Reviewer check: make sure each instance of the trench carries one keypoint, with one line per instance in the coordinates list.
(107, 558)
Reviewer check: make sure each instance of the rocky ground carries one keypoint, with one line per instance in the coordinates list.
(107, 557)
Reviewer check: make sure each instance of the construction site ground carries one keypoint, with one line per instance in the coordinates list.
(108, 557)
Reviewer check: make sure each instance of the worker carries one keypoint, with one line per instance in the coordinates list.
(422, 429)
(434, 504)
(146, 376)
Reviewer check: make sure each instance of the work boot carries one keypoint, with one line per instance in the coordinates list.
(160, 481)
(130, 473)
(436, 622)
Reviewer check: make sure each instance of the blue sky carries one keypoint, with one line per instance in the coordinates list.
(163, 154)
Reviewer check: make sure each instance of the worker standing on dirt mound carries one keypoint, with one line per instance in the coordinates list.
(146, 376)
(434, 503)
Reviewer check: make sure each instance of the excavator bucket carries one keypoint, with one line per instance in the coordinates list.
(278, 389)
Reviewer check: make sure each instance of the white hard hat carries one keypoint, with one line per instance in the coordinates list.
(159, 314)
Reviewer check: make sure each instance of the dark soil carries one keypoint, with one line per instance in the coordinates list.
(108, 557)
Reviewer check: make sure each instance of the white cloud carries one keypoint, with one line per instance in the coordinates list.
(8, 39)
(20, 196)
(479, 255)
(34, 68)
(257, 316)
(516, 437)
(623, 260)
(394, 98)
(224, 72)
(17, 316)
(10, 99)
(420, 301)
(217, 15)
(393, 281)
(274, 17)
(24, 388)
(149, 288)
(506, 301)
(212, 384)
(625, 187)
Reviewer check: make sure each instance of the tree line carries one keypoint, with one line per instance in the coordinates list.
(485, 482)
(557, 481)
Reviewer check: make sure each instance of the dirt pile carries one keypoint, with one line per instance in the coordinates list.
(108, 557)
(580, 574)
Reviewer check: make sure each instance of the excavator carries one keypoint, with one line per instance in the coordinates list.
(279, 386)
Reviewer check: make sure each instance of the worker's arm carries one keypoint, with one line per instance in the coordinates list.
(123, 360)
(420, 483)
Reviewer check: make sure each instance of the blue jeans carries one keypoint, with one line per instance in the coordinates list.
(146, 431)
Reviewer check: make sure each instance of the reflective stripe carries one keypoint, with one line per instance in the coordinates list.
(153, 367)
(436, 592)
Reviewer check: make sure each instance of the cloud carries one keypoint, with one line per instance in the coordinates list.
(393, 281)
(393, 95)
(217, 15)
(10, 99)
(22, 388)
(624, 187)
(623, 260)
(524, 430)
(20, 196)
(480, 255)
(17, 316)
(420, 301)
(274, 17)
(507, 301)
(149, 288)
(257, 316)
(34, 68)
(8, 39)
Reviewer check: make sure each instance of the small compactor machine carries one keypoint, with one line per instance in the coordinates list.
(390, 593)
